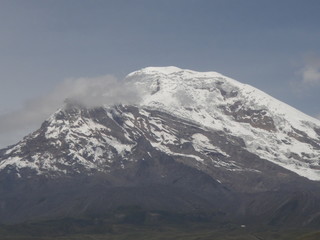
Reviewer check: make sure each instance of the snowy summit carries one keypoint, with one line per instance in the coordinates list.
(76, 139)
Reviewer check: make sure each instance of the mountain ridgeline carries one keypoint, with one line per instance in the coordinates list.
(197, 144)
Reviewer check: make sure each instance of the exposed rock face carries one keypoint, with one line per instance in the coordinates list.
(256, 118)
(198, 142)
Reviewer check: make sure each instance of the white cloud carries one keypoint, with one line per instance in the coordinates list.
(308, 76)
(93, 92)
(90, 92)
(311, 71)
(311, 75)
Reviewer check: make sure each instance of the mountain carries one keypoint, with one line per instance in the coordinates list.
(196, 143)
(271, 129)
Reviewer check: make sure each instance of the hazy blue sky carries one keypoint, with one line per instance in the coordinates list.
(272, 45)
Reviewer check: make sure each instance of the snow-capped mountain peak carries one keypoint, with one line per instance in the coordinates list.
(203, 119)
(270, 128)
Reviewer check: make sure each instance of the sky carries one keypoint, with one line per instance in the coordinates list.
(50, 49)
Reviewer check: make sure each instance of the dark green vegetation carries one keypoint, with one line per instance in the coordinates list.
(134, 223)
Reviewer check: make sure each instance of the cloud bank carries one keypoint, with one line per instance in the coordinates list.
(90, 92)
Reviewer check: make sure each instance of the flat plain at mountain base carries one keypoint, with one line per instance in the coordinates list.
(72, 229)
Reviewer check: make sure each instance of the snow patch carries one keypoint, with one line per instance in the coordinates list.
(202, 144)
